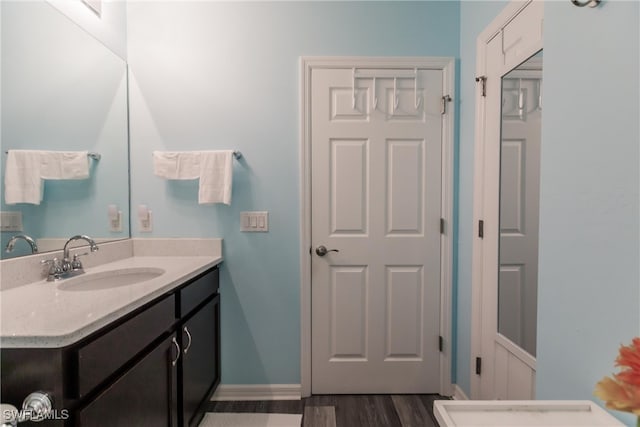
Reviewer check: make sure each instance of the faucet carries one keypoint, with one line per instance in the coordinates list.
(12, 242)
(92, 246)
(60, 269)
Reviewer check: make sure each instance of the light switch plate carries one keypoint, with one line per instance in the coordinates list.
(254, 221)
(11, 221)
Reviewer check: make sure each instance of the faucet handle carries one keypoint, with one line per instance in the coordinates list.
(51, 262)
(55, 267)
(76, 264)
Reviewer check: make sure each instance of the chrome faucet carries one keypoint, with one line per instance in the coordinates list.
(12, 242)
(61, 269)
(92, 245)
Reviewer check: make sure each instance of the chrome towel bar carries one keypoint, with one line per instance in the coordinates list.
(92, 154)
(237, 154)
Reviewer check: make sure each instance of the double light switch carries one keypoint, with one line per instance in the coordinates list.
(11, 221)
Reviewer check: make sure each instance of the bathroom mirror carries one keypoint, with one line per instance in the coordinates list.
(63, 90)
(519, 199)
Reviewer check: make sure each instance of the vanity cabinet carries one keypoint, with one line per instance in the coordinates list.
(200, 366)
(157, 366)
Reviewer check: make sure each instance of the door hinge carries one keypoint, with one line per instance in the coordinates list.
(478, 365)
(441, 225)
(440, 343)
(481, 229)
(443, 105)
(483, 79)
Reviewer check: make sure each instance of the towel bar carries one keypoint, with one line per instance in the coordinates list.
(92, 154)
(237, 154)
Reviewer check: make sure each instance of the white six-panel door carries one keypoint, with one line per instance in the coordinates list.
(376, 199)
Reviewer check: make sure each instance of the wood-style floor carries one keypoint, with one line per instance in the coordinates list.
(405, 410)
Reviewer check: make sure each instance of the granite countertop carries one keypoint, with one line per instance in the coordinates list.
(40, 315)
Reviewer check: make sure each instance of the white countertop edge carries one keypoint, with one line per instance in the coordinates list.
(64, 340)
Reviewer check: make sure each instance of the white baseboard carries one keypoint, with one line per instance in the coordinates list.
(257, 392)
(458, 393)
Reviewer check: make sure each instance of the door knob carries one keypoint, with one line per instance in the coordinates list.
(322, 250)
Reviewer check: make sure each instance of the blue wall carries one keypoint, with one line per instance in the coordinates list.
(474, 17)
(211, 75)
(589, 282)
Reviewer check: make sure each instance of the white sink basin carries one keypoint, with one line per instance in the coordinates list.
(110, 279)
(514, 413)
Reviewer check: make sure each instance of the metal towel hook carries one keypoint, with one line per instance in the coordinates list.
(395, 94)
(590, 3)
(417, 101)
(520, 99)
(539, 106)
(353, 90)
(375, 97)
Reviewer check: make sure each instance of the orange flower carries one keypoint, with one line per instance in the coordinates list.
(629, 360)
(622, 393)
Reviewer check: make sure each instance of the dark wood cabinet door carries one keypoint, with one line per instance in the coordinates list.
(146, 396)
(122, 343)
(200, 360)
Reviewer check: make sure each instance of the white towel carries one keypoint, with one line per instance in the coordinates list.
(176, 164)
(216, 177)
(22, 181)
(213, 168)
(26, 169)
(64, 165)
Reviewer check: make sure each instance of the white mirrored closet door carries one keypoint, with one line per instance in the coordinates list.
(509, 70)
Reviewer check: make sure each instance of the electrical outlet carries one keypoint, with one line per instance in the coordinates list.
(115, 218)
(145, 219)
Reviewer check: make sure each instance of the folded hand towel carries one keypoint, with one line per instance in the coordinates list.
(176, 164)
(64, 165)
(22, 181)
(216, 172)
(26, 169)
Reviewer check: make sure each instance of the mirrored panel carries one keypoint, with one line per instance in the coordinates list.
(62, 90)
(519, 201)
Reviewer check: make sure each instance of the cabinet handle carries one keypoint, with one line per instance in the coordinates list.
(189, 343)
(173, 362)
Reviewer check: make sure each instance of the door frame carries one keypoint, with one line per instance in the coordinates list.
(486, 167)
(447, 65)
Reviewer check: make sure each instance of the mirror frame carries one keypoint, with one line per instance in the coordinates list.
(526, 104)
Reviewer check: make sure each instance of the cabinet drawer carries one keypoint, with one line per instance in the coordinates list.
(197, 291)
(103, 356)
